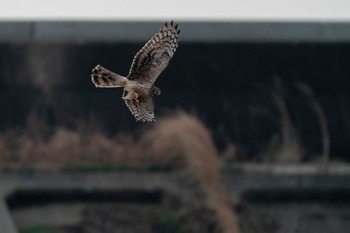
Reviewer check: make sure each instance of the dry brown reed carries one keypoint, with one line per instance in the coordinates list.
(65, 149)
(286, 146)
(184, 136)
(319, 111)
(39, 147)
(5, 152)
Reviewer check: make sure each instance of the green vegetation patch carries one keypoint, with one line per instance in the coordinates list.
(167, 222)
(38, 229)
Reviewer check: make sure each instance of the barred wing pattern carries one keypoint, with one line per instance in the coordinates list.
(142, 111)
(148, 63)
(155, 55)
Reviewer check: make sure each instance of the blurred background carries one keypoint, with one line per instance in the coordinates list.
(252, 125)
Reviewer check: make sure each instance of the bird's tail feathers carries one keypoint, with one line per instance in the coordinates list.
(105, 78)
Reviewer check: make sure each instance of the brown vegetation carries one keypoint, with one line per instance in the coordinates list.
(184, 136)
(41, 147)
(317, 108)
(285, 146)
(180, 142)
(64, 149)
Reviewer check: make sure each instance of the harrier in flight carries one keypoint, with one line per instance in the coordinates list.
(148, 63)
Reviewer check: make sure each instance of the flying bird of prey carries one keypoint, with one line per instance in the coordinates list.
(148, 63)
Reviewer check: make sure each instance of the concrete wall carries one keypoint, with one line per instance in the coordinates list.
(191, 31)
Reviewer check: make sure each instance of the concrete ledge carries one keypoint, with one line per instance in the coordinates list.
(238, 185)
(301, 169)
(14, 183)
(81, 32)
(6, 222)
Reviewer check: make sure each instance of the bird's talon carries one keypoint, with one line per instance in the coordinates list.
(136, 97)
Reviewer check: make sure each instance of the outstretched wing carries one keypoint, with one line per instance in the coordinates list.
(142, 110)
(155, 55)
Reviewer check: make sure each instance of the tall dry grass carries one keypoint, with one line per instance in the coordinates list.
(285, 146)
(186, 140)
(5, 152)
(40, 147)
(65, 149)
(319, 111)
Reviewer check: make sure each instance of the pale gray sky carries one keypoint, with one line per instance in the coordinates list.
(190, 10)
